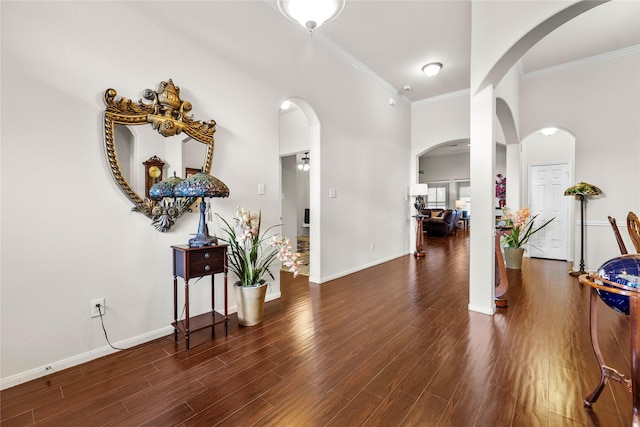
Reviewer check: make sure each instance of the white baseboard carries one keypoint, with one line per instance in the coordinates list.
(81, 358)
(482, 310)
(354, 270)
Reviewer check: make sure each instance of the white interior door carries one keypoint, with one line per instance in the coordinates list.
(546, 198)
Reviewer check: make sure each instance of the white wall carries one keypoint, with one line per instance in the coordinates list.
(599, 103)
(289, 197)
(455, 167)
(437, 120)
(68, 235)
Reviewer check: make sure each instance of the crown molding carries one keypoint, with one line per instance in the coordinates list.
(444, 96)
(580, 62)
(350, 59)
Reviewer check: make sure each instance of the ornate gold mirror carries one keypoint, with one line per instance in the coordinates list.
(138, 158)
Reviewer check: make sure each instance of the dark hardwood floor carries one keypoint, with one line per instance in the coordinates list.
(393, 345)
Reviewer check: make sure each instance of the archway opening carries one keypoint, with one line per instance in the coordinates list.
(300, 178)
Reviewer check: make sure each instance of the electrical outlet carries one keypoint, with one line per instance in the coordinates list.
(95, 312)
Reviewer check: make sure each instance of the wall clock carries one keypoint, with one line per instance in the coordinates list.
(153, 173)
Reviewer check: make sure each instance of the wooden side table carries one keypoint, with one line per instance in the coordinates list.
(608, 374)
(419, 252)
(198, 262)
(464, 222)
(500, 298)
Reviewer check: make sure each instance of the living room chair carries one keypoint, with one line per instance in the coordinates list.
(616, 232)
(633, 225)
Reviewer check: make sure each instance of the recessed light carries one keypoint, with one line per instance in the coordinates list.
(432, 69)
(285, 105)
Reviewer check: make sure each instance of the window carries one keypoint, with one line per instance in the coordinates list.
(438, 195)
(464, 193)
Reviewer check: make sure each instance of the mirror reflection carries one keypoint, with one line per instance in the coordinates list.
(140, 156)
(135, 145)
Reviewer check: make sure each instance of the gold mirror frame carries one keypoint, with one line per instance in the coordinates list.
(168, 115)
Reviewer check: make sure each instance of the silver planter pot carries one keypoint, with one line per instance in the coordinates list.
(513, 257)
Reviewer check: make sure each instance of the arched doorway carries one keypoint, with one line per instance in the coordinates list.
(548, 170)
(300, 208)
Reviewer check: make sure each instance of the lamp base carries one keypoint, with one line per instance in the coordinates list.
(202, 238)
(199, 241)
(577, 273)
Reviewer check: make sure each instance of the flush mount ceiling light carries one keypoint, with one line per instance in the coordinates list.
(311, 14)
(432, 69)
(285, 105)
(548, 131)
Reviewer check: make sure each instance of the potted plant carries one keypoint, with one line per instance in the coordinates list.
(521, 225)
(250, 257)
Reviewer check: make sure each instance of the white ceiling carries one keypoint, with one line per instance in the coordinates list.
(394, 39)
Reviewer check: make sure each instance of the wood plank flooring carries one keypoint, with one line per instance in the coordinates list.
(393, 345)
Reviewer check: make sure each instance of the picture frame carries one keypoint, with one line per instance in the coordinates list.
(190, 171)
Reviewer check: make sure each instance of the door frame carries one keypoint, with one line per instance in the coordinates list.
(569, 206)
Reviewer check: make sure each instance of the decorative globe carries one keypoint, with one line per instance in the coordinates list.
(624, 270)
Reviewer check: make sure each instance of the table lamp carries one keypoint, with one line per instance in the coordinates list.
(418, 191)
(201, 185)
(460, 205)
(165, 212)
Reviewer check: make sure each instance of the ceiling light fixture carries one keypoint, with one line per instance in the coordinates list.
(432, 69)
(285, 105)
(311, 14)
(304, 166)
(548, 131)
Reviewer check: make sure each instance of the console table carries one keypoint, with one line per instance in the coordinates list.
(198, 262)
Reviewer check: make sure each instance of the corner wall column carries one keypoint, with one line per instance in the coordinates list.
(482, 244)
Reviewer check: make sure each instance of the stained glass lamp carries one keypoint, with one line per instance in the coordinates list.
(165, 212)
(580, 191)
(201, 185)
(164, 188)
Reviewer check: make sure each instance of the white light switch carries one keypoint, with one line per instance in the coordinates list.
(332, 193)
(261, 189)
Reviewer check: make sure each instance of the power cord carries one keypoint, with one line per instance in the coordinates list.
(99, 307)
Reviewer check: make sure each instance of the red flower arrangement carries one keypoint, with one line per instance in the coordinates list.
(501, 187)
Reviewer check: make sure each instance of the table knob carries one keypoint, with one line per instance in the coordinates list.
(207, 267)
(207, 255)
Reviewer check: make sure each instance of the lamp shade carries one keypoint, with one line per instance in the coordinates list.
(461, 204)
(582, 189)
(201, 185)
(418, 189)
(165, 187)
(311, 14)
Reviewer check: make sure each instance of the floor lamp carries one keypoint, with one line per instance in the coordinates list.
(580, 191)
(418, 191)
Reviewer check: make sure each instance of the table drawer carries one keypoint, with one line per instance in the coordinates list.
(197, 262)
(206, 261)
